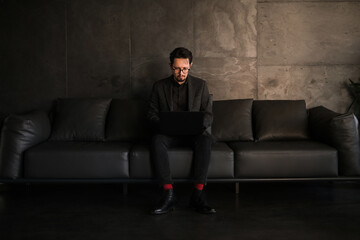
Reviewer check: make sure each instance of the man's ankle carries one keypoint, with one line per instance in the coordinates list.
(199, 186)
(167, 186)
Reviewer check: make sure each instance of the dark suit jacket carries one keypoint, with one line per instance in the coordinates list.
(199, 100)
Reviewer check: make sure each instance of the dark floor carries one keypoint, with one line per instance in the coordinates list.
(316, 210)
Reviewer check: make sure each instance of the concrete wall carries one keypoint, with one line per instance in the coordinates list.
(265, 49)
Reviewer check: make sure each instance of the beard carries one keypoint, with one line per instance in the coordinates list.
(180, 78)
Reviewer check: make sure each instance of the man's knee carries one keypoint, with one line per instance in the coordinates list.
(204, 139)
(159, 139)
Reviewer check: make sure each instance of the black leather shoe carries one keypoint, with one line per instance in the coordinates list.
(199, 203)
(167, 203)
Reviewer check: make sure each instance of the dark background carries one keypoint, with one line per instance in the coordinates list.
(117, 48)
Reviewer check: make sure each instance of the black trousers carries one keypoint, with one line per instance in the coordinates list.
(201, 145)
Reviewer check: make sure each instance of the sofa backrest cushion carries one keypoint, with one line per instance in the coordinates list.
(80, 119)
(232, 120)
(127, 120)
(280, 120)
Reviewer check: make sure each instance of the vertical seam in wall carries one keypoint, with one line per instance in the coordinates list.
(257, 50)
(130, 66)
(130, 52)
(66, 50)
(193, 17)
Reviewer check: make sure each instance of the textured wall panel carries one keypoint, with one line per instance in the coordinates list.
(159, 26)
(318, 85)
(145, 71)
(98, 48)
(267, 49)
(262, 1)
(304, 33)
(32, 54)
(227, 78)
(225, 28)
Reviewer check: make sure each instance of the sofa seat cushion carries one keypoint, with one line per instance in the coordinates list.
(221, 163)
(77, 160)
(284, 159)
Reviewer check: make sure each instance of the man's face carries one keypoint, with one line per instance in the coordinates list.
(180, 69)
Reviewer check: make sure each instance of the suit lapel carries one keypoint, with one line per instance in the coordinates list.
(168, 93)
(191, 93)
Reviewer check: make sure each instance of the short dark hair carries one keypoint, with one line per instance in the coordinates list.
(180, 52)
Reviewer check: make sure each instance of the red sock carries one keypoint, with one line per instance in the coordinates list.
(167, 186)
(199, 186)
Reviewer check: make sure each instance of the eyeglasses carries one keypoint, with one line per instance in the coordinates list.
(184, 70)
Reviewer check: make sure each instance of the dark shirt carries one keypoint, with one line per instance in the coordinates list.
(180, 96)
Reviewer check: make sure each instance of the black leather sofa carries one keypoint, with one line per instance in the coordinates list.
(106, 140)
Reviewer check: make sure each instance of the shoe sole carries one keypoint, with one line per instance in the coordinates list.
(208, 213)
(200, 211)
(162, 213)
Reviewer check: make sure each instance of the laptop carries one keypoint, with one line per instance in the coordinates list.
(181, 123)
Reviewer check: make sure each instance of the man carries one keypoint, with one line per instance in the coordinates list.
(181, 92)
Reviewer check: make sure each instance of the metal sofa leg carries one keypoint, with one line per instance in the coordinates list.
(237, 188)
(28, 187)
(125, 189)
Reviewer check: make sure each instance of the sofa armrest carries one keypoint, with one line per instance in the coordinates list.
(341, 132)
(2, 118)
(19, 133)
